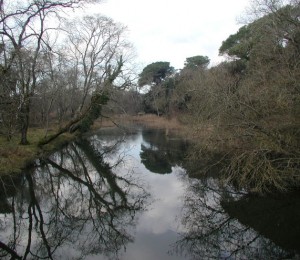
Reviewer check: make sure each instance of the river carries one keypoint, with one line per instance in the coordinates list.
(131, 196)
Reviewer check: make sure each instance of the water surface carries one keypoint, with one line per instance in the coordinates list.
(129, 196)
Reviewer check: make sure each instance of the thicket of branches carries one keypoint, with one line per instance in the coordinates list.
(252, 101)
(58, 71)
(246, 108)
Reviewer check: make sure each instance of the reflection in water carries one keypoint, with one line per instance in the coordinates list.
(275, 217)
(213, 234)
(73, 202)
(92, 201)
(159, 153)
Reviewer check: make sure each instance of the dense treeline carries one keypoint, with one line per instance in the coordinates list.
(248, 107)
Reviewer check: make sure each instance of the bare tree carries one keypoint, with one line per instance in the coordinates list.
(97, 54)
(96, 43)
(23, 26)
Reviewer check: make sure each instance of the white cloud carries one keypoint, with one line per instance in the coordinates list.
(172, 30)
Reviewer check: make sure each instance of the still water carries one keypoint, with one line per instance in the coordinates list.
(129, 196)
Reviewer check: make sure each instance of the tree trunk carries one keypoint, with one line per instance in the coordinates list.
(65, 129)
(24, 121)
(83, 121)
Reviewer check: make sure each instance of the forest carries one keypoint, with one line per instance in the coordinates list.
(63, 74)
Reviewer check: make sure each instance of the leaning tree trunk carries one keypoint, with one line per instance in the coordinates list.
(84, 121)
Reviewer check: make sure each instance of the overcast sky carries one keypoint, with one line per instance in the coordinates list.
(172, 30)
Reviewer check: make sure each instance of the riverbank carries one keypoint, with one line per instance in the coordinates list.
(264, 174)
(15, 157)
(147, 120)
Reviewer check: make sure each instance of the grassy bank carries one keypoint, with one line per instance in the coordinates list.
(241, 164)
(148, 120)
(15, 157)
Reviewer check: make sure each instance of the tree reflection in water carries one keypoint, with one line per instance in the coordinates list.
(210, 233)
(159, 152)
(73, 202)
